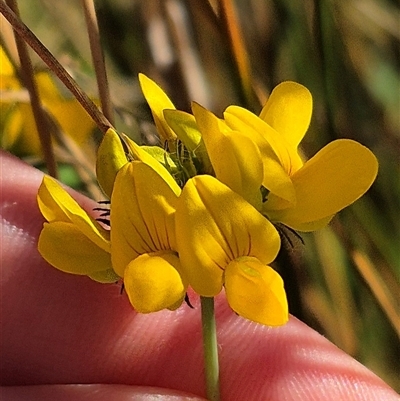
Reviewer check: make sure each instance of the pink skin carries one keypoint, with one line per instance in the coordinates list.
(60, 330)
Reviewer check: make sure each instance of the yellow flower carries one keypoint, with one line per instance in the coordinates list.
(142, 251)
(18, 128)
(71, 240)
(143, 196)
(143, 244)
(224, 241)
(303, 196)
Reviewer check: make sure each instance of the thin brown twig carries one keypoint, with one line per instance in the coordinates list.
(98, 58)
(28, 79)
(29, 37)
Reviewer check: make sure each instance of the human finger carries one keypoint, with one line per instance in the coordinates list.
(60, 328)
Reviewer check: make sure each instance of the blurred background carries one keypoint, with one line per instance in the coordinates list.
(345, 280)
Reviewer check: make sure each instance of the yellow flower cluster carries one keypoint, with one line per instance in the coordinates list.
(202, 212)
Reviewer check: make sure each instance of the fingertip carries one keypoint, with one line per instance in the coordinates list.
(93, 392)
(291, 362)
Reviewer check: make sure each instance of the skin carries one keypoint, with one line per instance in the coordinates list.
(76, 339)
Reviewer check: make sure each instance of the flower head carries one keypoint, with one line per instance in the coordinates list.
(143, 244)
(143, 196)
(71, 240)
(224, 241)
(236, 175)
(302, 195)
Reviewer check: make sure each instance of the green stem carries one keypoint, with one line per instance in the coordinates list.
(210, 348)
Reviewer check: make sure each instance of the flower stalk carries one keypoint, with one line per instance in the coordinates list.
(210, 348)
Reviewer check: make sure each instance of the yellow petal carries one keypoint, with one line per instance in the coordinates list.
(65, 247)
(288, 110)
(7, 69)
(110, 158)
(274, 153)
(214, 226)
(11, 120)
(138, 153)
(57, 205)
(49, 195)
(153, 282)
(207, 121)
(335, 177)
(73, 120)
(47, 88)
(21, 127)
(142, 209)
(235, 158)
(255, 291)
(237, 163)
(158, 101)
(269, 141)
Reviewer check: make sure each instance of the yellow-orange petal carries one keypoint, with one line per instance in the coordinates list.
(142, 209)
(153, 282)
(110, 158)
(335, 177)
(256, 292)
(158, 101)
(288, 110)
(65, 247)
